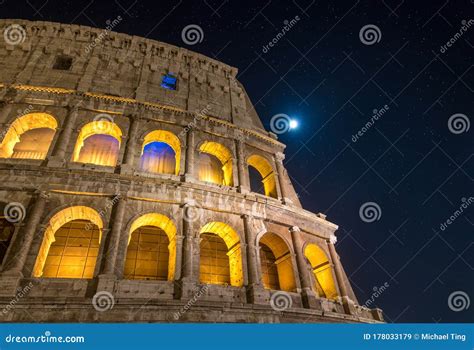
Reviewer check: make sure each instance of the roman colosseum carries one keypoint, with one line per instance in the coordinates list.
(138, 184)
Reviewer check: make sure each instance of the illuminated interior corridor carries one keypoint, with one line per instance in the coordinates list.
(322, 272)
(215, 164)
(276, 263)
(161, 153)
(29, 137)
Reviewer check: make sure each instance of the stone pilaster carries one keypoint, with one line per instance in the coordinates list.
(17, 254)
(131, 146)
(242, 172)
(190, 174)
(190, 254)
(114, 259)
(308, 296)
(346, 301)
(5, 117)
(256, 293)
(281, 177)
(58, 158)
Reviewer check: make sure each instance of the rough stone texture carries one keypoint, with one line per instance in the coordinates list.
(121, 76)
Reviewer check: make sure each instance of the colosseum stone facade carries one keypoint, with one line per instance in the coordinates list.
(127, 195)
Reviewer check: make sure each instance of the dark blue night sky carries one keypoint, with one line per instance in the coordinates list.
(414, 162)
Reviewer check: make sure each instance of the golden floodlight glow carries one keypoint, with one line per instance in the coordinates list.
(225, 157)
(234, 253)
(59, 220)
(283, 262)
(23, 125)
(324, 282)
(266, 171)
(166, 224)
(170, 139)
(96, 155)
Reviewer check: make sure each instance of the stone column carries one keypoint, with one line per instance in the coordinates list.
(242, 172)
(281, 177)
(308, 296)
(179, 257)
(256, 293)
(190, 174)
(346, 301)
(190, 254)
(16, 258)
(64, 138)
(131, 146)
(116, 235)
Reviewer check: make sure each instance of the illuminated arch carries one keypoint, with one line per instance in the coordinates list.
(81, 248)
(224, 156)
(105, 151)
(282, 259)
(215, 269)
(266, 171)
(35, 125)
(164, 224)
(322, 271)
(164, 137)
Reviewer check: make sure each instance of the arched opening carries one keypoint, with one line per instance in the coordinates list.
(220, 255)
(161, 153)
(267, 176)
(276, 263)
(151, 252)
(322, 272)
(29, 137)
(215, 164)
(98, 143)
(6, 233)
(70, 244)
